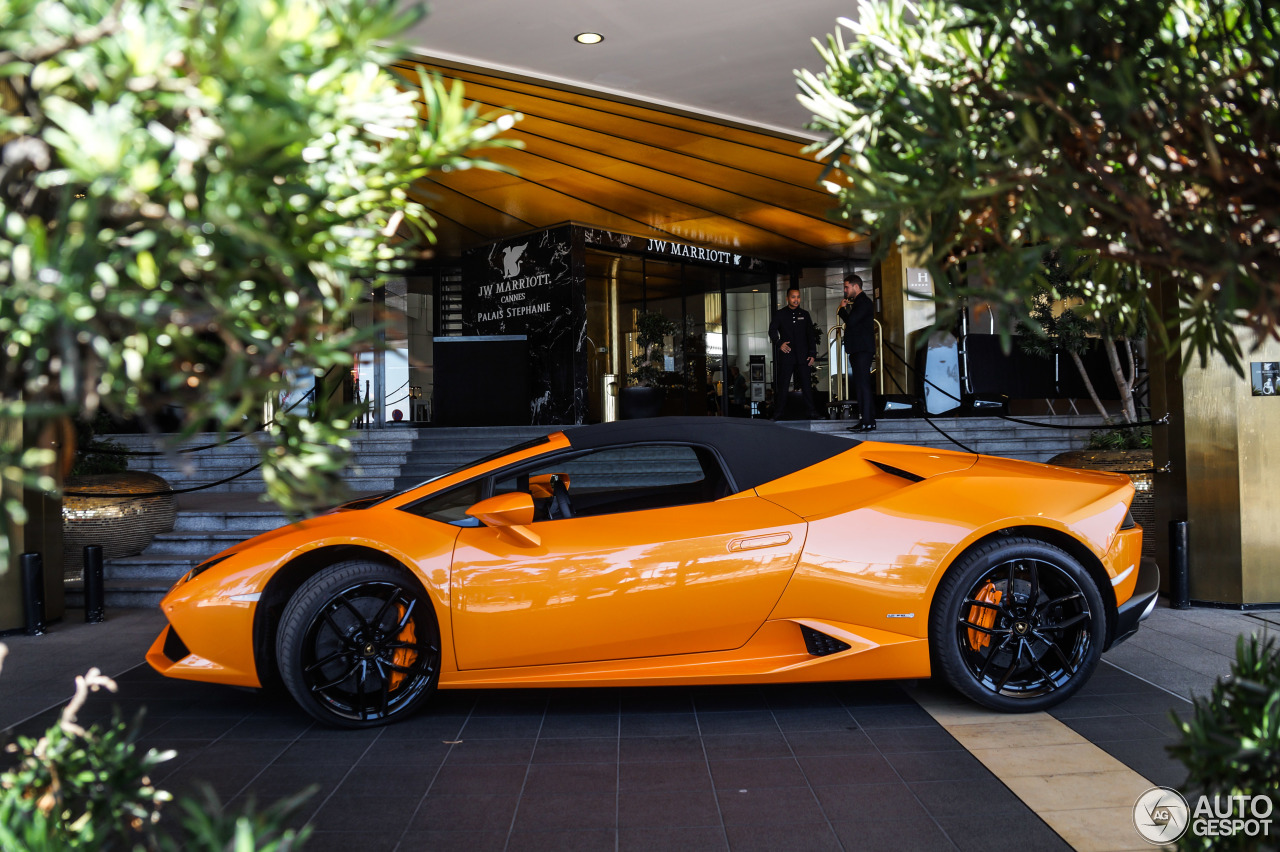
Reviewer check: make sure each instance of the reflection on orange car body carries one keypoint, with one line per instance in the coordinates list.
(659, 582)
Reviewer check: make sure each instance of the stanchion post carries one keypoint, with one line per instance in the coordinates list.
(94, 593)
(33, 592)
(1179, 584)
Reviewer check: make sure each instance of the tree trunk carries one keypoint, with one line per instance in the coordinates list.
(1133, 374)
(1125, 386)
(1093, 394)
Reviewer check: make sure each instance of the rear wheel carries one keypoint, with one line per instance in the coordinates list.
(1018, 625)
(359, 645)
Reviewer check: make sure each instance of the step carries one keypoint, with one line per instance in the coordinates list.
(153, 567)
(195, 543)
(120, 594)
(251, 522)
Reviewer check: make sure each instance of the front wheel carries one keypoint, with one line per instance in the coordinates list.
(359, 645)
(1018, 625)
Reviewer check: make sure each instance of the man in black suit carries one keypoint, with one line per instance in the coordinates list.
(795, 342)
(858, 312)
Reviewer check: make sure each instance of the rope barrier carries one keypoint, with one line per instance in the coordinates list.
(106, 451)
(166, 491)
(926, 419)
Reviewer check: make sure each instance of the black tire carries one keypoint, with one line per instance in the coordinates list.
(1022, 652)
(359, 645)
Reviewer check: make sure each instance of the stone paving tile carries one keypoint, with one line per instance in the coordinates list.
(818, 837)
(870, 803)
(663, 777)
(754, 773)
(978, 832)
(684, 839)
(574, 840)
(659, 724)
(465, 813)
(676, 810)
(553, 778)
(809, 766)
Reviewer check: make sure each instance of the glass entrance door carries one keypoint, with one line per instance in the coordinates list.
(748, 304)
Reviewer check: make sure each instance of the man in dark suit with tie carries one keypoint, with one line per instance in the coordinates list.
(795, 345)
(858, 312)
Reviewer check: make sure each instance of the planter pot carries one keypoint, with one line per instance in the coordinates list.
(636, 403)
(1140, 466)
(121, 525)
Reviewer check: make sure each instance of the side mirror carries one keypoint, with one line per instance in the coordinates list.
(510, 514)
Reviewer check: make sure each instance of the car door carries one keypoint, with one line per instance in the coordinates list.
(625, 576)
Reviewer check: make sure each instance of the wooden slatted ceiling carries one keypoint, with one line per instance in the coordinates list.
(636, 169)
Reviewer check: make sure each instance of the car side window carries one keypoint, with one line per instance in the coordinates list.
(450, 506)
(619, 479)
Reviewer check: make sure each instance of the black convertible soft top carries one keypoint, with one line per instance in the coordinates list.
(755, 451)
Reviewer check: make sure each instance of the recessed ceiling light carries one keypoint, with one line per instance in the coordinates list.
(588, 38)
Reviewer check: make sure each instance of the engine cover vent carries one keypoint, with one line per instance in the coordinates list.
(820, 644)
(897, 471)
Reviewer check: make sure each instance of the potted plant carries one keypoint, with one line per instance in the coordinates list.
(107, 504)
(644, 397)
(1125, 451)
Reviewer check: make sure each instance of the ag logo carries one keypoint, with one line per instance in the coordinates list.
(1161, 815)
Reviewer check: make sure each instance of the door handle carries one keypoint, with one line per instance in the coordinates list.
(757, 542)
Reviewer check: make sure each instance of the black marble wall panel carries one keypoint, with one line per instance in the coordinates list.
(535, 285)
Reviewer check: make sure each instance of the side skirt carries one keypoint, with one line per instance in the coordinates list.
(777, 653)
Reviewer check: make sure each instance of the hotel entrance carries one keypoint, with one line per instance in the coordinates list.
(572, 297)
(720, 316)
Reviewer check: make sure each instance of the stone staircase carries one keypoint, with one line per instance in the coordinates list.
(987, 435)
(438, 451)
(379, 456)
(212, 520)
(200, 530)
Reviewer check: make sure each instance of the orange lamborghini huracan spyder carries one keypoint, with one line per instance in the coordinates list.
(678, 550)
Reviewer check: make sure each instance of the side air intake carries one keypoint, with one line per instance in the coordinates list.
(820, 644)
(174, 648)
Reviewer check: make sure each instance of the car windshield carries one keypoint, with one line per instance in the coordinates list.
(526, 445)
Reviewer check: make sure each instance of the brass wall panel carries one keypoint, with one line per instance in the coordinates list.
(1233, 467)
(1258, 437)
(890, 282)
(1213, 491)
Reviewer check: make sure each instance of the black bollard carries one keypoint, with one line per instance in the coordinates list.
(33, 592)
(1179, 584)
(94, 594)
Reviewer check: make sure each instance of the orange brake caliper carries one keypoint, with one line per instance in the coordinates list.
(983, 616)
(403, 656)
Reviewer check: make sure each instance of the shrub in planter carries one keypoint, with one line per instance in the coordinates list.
(90, 788)
(1231, 744)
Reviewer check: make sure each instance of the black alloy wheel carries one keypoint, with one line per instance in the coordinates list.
(359, 645)
(1018, 625)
